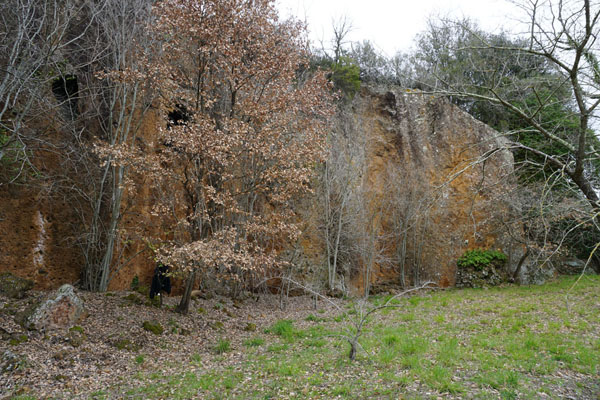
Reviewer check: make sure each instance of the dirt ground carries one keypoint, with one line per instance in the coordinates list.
(114, 335)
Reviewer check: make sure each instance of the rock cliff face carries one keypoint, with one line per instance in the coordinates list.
(431, 174)
(41, 228)
(434, 175)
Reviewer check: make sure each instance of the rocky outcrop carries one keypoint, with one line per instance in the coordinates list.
(431, 166)
(13, 286)
(59, 310)
(420, 153)
(41, 226)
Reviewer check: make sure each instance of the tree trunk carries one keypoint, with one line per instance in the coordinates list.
(352, 354)
(519, 265)
(184, 304)
(112, 231)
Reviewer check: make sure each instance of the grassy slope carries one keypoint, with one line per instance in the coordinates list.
(513, 342)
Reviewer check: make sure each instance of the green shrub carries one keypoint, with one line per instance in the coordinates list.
(126, 344)
(133, 298)
(144, 291)
(345, 75)
(480, 259)
(135, 283)
(76, 328)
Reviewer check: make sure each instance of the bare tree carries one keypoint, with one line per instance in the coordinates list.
(340, 180)
(119, 98)
(562, 37)
(368, 234)
(408, 207)
(33, 38)
(341, 29)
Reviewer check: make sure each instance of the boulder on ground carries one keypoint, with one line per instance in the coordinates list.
(13, 286)
(536, 273)
(575, 266)
(10, 361)
(61, 309)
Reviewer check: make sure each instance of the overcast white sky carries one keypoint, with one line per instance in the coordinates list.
(393, 24)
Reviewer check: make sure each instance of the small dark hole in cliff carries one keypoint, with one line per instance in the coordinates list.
(178, 116)
(65, 90)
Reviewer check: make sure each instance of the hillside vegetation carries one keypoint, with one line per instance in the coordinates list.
(509, 342)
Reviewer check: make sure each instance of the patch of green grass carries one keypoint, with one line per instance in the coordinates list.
(139, 359)
(278, 347)
(481, 344)
(391, 340)
(449, 352)
(230, 381)
(499, 379)
(408, 317)
(254, 342)
(315, 342)
(284, 328)
(222, 346)
(340, 318)
(440, 379)
(314, 318)
(99, 395)
(412, 345)
(196, 359)
(342, 390)
(387, 355)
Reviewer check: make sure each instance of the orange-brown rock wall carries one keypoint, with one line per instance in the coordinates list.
(434, 149)
(453, 166)
(40, 223)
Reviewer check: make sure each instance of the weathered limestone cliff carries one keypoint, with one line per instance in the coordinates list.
(429, 181)
(41, 232)
(433, 179)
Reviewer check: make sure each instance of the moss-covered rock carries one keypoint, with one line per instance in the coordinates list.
(218, 325)
(13, 286)
(17, 339)
(22, 317)
(126, 344)
(133, 298)
(76, 336)
(154, 327)
(250, 327)
(10, 361)
(479, 268)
